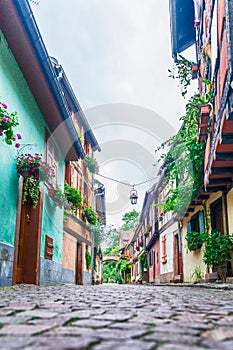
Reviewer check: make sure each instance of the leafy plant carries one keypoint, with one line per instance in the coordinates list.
(92, 165)
(130, 220)
(90, 215)
(8, 121)
(183, 72)
(143, 263)
(197, 274)
(195, 240)
(73, 196)
(88, 259)
(123, 266)
(31, 188)
(61, 200)
(218, 248)
(183, 163)
(34, 170)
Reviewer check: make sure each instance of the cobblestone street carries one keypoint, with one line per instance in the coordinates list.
(116, 317)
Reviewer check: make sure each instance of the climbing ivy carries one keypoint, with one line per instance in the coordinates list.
(183, 162)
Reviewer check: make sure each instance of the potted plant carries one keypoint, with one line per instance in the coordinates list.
(194, 240)
(148, 228)
(146, 234)
(8, 121)
(90, 215)
(33, 170)
(73, 196)
(218, 249)
(59, 198)
(92, 165)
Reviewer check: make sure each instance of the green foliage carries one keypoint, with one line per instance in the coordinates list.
(194, 240)
(8, 121)
(183, 72)
(90, 215)
(218, 248)
(31, 188)
(110, 272)
(73, 196)
(197, 274)
(60, 199)
(112, 250)
(110, 237)
(123, 266)
(143, 263)
(92, 165)
(88, 259)
(184, 161)
(131, 220)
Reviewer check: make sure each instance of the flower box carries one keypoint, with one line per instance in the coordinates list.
(205, 111)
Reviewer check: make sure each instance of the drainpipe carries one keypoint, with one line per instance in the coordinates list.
(93, 235)
(180, 250)
(224, 211)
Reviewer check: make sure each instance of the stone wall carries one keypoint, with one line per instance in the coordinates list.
(6, 264)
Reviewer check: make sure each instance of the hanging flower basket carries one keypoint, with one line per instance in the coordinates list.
(33, 170)
(146, 234)
(148, 228)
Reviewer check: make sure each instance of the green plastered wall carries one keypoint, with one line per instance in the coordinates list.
(15, 92)
(52, 224)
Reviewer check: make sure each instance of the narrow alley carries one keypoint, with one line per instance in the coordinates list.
(137, 317)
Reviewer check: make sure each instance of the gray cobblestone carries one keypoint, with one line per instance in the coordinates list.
(116, 317)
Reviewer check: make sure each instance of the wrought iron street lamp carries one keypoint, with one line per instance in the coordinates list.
(133, 196)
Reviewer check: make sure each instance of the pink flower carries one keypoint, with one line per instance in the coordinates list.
(17, 145)
(6, 120)
(4, 105)
(19, 136)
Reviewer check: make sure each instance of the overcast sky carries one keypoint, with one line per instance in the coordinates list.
(117, 52)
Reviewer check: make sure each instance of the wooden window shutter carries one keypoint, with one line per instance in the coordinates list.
(164, 249)
(48, 247)
(201, 221)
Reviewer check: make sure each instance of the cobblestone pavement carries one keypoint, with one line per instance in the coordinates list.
(116, 317)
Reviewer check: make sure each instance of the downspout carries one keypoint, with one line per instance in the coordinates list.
(180, 250)
(224, 211)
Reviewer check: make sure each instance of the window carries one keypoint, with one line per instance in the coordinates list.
(217, 216)
(52, 157)
(164, 249)
(85, 194)
(196, 223)
(151, 257)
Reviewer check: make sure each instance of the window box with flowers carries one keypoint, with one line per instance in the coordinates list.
(90, 215)
(60, 199)
(92, 165)
(7, 123)
(33, 170)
